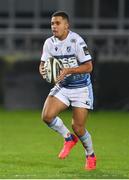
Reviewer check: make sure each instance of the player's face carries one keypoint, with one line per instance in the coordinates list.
(59, 27)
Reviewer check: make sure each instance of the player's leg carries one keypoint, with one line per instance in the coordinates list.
(80, 116)
(51, 109)
(81, 101)
(54, 104)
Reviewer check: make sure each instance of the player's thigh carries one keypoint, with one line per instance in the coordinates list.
(79, 116)
(52, 107)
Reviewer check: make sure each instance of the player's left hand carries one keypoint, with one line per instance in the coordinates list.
(63, 73)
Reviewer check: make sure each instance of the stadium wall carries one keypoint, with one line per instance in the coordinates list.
(113, 86)
(23, 88)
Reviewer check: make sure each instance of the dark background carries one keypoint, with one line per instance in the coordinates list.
(25, 24)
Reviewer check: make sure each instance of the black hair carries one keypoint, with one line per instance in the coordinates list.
(63, 14)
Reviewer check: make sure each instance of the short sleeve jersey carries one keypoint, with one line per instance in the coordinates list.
(72, 52)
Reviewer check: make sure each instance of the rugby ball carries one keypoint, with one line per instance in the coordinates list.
(52, 67)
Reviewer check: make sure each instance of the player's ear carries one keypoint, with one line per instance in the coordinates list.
(67, 25)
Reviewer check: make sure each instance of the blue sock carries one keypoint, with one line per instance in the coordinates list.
(70, 138)
(92, 155)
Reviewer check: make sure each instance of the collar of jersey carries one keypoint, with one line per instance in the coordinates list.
(62, 41)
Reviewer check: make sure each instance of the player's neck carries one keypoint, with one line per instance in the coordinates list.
(64, 36)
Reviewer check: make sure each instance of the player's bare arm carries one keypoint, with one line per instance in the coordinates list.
(42, 69)
(87, 67)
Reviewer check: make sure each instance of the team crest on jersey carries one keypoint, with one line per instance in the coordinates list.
(56, 48)
(73, 40)
(68, 48)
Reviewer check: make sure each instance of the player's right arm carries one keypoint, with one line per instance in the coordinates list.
(44, 57)
(42, 70)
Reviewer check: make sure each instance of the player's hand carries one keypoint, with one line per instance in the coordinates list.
(63, 73)
(42, 70)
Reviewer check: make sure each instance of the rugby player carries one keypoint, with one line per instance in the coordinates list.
(73, 86)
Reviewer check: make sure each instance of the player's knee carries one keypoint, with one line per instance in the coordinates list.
(46, 117)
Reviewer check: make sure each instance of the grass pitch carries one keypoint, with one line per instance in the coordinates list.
(29, 149)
